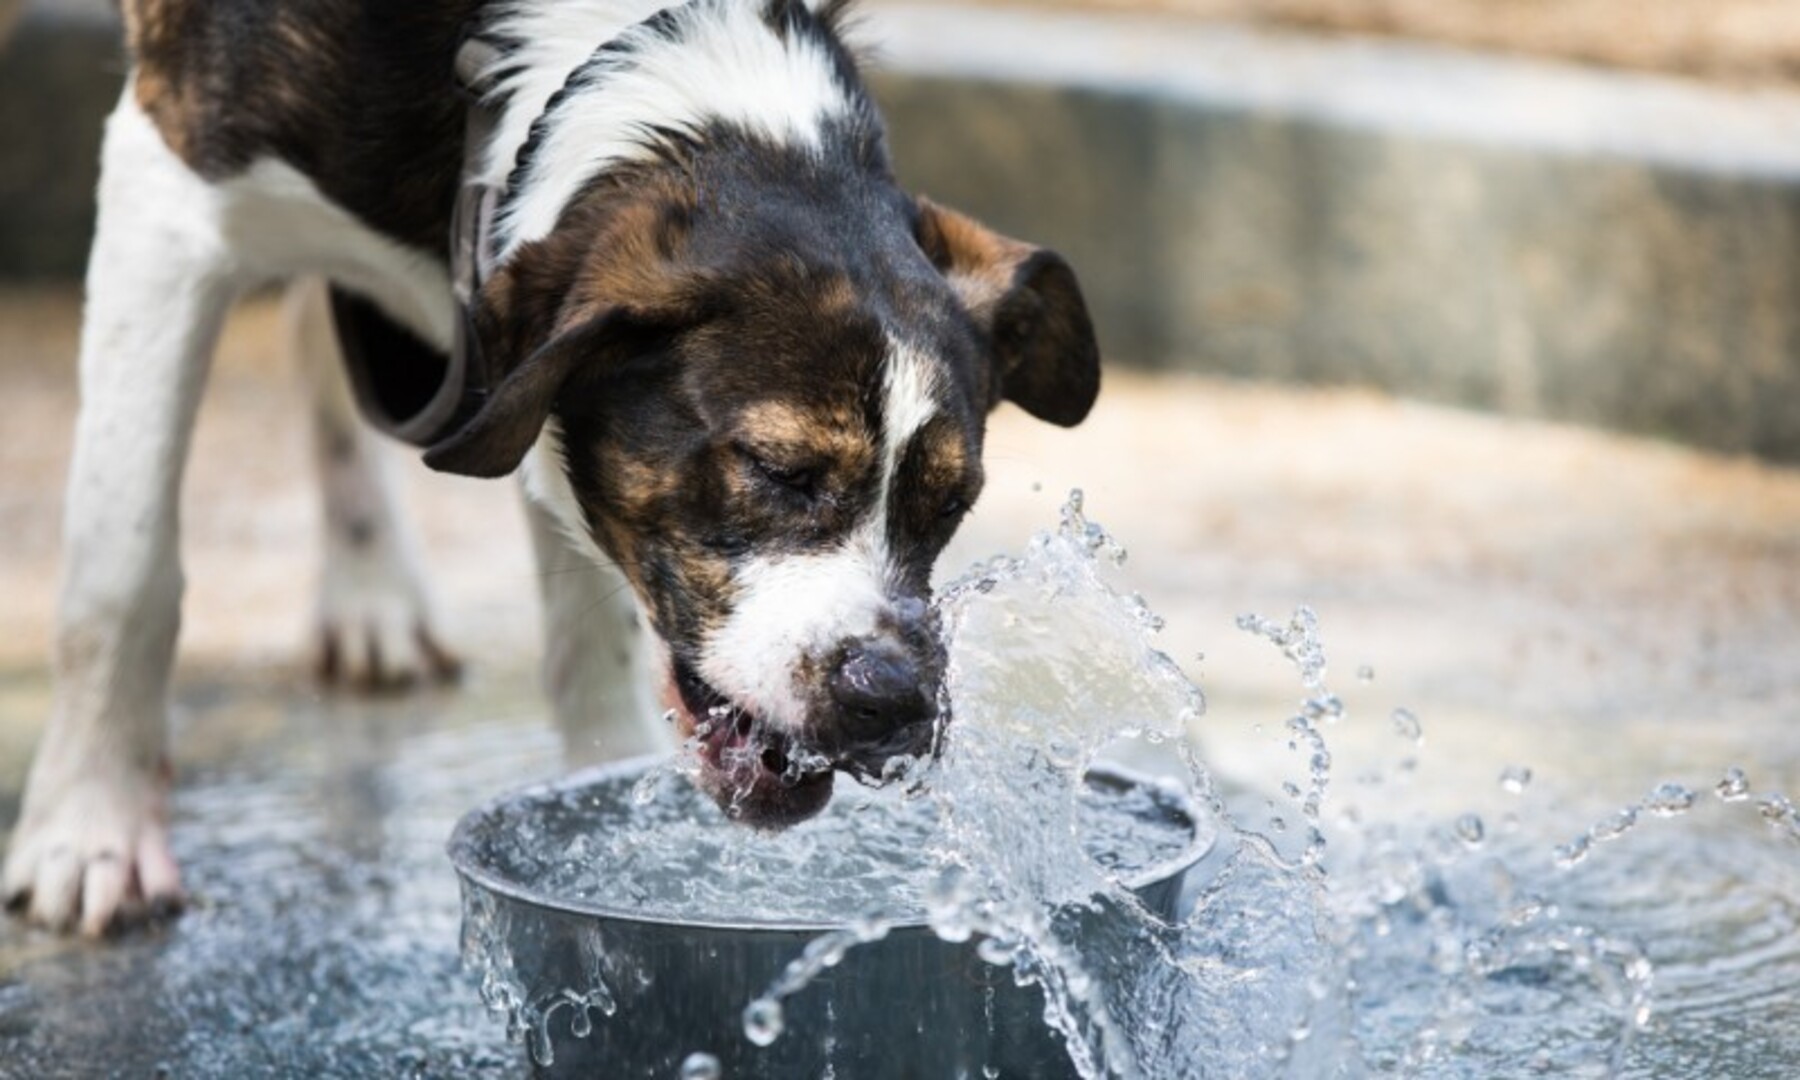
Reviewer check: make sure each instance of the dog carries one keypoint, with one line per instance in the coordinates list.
(648, 257)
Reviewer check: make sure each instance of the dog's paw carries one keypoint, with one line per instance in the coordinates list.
(375, 629)
(92, 852)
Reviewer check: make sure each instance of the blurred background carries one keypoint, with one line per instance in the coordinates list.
(1473, 324)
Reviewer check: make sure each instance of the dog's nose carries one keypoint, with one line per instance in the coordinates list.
(878, 688)
(886, 701)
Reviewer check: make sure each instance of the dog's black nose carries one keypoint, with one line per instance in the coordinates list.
(886, 701)
(877, 686)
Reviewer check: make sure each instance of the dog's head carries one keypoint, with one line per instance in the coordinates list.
(757, 378)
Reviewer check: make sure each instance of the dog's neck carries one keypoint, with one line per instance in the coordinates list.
(582, 87)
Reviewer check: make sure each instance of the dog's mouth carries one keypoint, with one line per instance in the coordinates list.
(758, 775)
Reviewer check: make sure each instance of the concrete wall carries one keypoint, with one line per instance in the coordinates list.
(1656, 300)
(1603, 248)
(1610, 249)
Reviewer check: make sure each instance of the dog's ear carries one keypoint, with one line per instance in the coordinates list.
(1028, 305)
(616, 291)
(493, 441)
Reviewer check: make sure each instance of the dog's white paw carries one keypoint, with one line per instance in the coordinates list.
(375, 627)
(92, 849)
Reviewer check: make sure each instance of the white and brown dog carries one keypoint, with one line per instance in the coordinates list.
(683, 298)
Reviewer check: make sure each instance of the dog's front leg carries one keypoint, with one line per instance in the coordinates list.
(375, 623)
(599, 660)
(92, 837)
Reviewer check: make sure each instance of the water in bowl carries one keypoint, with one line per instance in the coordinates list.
(658, 849)
(1315, 943)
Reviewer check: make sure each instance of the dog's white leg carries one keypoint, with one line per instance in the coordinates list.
(375, 623)
(599, 660)
(92, 836)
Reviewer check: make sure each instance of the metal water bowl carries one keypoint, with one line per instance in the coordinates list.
(908, 1005)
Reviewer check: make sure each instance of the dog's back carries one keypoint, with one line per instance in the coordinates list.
(358, 96)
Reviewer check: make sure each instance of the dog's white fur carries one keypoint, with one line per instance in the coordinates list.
(722, 62)
(158, 286)
(172, 252)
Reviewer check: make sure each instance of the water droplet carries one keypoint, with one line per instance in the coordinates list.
(701, 1067)
(1573, 852)
(1528, 908)
(1328, 707)
(997, 951)
(990, 1072)
(1298, 640)
(1470, 830)
(1291, 789)
(1735, 787)
(1615, 826)
(1514, 779)
(1775, 809)
(581, 1022)
(1669, 800)
(537, 1041)
(1407, 726)
(1365, 674)
(763, 1021)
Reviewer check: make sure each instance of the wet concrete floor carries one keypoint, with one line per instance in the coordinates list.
(1612, 612)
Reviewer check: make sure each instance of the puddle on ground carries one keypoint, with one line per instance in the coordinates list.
(321, 936)
(1334, 929)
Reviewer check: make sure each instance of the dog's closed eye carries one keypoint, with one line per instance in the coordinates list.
(797, 477)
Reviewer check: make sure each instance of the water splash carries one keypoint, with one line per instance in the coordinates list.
(1514, 779)
(1426, 948)
(529, 1005)
(700, 1066)
(1733, 787)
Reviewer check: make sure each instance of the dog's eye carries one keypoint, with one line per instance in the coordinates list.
(799, 479)
(954, 507)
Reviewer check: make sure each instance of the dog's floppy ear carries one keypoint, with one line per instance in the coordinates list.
(493, 441)
(1027, 303)
(615, 292)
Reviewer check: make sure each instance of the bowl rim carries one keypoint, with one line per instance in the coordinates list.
(461, 844)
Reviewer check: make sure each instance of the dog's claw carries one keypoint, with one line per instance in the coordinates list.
(380, 642)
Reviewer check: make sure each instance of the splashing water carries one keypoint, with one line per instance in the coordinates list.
(1458, 949)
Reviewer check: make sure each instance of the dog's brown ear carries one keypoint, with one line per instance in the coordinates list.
(1028, 304)
(618, 292)
(493, 441)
